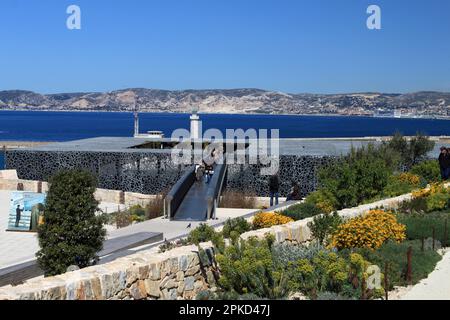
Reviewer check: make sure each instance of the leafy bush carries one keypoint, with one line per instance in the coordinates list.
(410, 151)
(361, 175)
(267, 219)
(368, 231)
(137, 218)
(286, 253)
(330, 272)
(437, 197)
(248, 268)
(428, 170)
(301, 211)
(323, 199)
(400, 184)
(364, 173)
(423, 262)
(323, 226)
(202, 233)
(72, 233)
(438, 201)
(236, 225)
(137, 210)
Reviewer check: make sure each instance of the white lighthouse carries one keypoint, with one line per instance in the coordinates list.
(136, 124)
(196, 125)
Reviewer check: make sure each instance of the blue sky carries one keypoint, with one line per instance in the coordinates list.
(296, 46)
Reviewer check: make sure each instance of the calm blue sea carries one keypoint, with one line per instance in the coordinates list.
(64, 126)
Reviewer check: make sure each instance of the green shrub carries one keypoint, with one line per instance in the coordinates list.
(438, 201)
(202, 233)
(323, 199)
(410, 151)
(301, 211)
(72, 233)
(285, 253)
(137, 218)
(137, 210)
(428, 170)
(323, 226)
(364, 173)
(401, 184)
(423, 262)
(237, 225)
(248, 268)
(329, 272)
(421, 225)
(359, 176)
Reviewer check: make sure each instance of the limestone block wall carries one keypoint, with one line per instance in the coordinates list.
(103, 195)
(176, 274)
(27, 185)
(299, 232)
(119, 197)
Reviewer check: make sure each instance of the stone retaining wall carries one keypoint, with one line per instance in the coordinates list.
(298, 231)
(176, 274)
(23, 185)
(9, 182)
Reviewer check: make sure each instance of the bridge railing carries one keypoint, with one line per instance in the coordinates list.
(178, 192)
(215, 189)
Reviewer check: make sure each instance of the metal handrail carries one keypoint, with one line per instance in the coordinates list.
(215, 189)
(178, 192)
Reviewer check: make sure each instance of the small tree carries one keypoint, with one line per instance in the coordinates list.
(412, 151)
(71, 234)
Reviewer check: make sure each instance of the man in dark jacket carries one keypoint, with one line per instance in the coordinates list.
(444, 159)
(274, 186)
(447, 165)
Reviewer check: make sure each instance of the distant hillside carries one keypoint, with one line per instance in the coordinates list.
(232, 101)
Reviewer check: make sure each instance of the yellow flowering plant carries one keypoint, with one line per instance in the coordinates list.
(437, 197)
(369, 231)
(268, 219)
(409, 178)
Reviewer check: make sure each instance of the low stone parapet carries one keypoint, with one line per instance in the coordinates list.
(299, 231)
(10, 182)
(180, 273)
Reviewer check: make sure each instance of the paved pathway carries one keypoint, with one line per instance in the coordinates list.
(436, 286)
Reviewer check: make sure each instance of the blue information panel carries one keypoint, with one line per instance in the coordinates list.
(24, 210)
